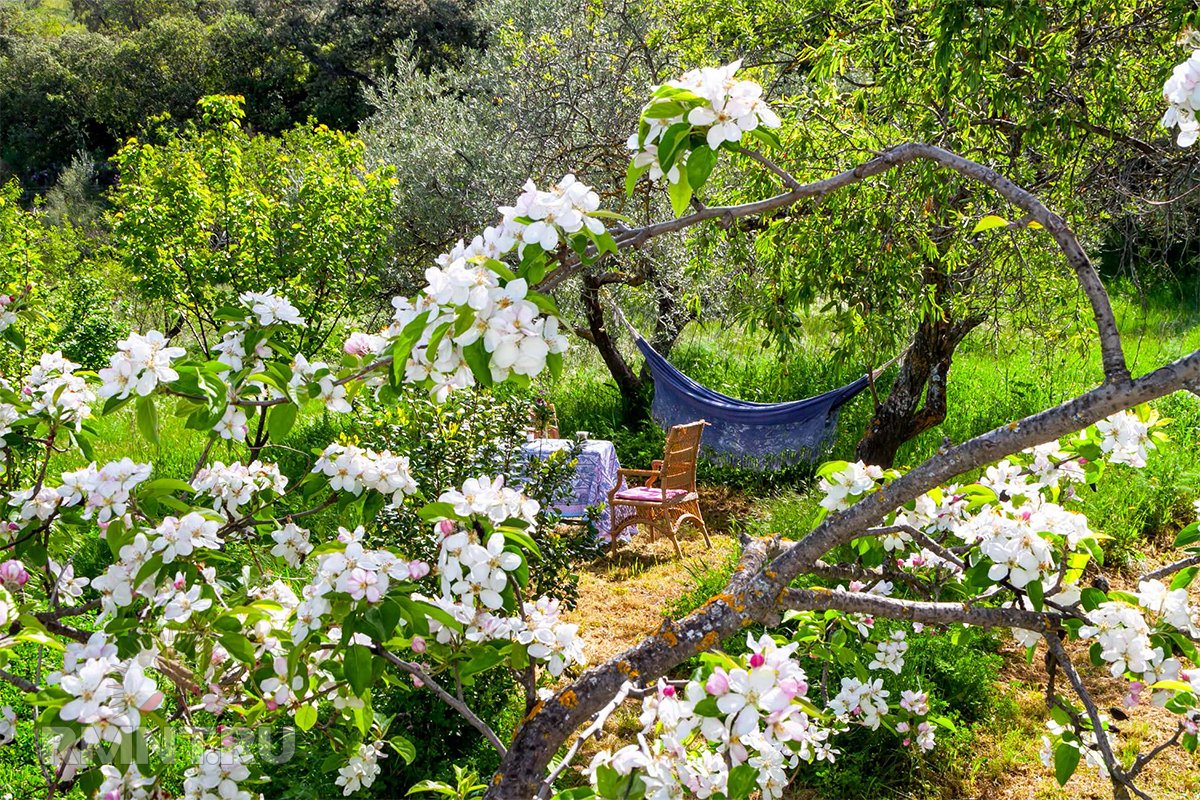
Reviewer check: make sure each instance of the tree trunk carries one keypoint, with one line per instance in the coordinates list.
(917, 401)
(629, 384)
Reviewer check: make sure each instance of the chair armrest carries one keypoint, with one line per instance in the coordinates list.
(651, 475)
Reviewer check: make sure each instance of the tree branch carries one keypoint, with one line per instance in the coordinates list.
(449, 699)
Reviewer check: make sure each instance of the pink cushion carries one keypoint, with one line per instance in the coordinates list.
(648, 493)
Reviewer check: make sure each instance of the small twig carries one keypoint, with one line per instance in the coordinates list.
(449, 699)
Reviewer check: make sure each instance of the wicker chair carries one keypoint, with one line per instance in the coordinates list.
(668, 496)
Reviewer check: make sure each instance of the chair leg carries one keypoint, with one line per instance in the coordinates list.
(703, 527)
(670, 530)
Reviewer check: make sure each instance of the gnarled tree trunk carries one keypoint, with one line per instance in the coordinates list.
(917, 400)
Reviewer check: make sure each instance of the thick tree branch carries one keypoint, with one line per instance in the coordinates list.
(918, 611)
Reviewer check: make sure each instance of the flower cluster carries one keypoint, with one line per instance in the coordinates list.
(264, 309)
(139, 365)
(362, 573)
(352, 469)
(1123, 635)
(362, 769)
(710, 100)
(1126, 438)
(106, 490)
(475, 310)
(291, 544)
(843, 483)
(55, 389)
(234, 486)
(217, 776)
(270, 308)
(490, 498)
(547, 638)
(749, 714)
(107, 695)
(1182, 93)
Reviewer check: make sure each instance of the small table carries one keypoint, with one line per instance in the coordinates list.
(595, 476)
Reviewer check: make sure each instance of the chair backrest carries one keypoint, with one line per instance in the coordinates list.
(679, 457)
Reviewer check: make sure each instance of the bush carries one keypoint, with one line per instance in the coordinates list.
(479, 432)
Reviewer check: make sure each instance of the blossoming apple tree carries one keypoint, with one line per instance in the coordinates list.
(221, 608)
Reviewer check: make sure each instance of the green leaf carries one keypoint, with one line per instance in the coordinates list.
(522, 539)
(161, 486)
(1189, 535)
(768, 137)
(477, 359)
(1091, 598)
(1174, 686)
(238, 646)
(989, 222)
(672, 143)
(435, 511)
(357, 664)
(280, 420)
(306, 717)
(743, 779)
(700, 165)
(404, 748)
(680, 194)
(1066, 759)
(1036, 594)
(1184, 578)
(632, 174)
(664, 110)
(612, 785)
(147, 419)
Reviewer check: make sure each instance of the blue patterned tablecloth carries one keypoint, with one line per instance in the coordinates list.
(595, 476)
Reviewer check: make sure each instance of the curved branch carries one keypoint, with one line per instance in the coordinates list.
(1115, 368)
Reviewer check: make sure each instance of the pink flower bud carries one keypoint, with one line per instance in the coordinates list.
(13, 574)
(902, 727)
(906, 742)
(359, 344)
(857, 586)
(418, 644)
(227, 741)
(718, 683)
(445, 527)
(272, 705)
(417, 682)
(12, 526)
(668, 691)
(757, 660)
(793, 687)
(417, 570)
(5, 299)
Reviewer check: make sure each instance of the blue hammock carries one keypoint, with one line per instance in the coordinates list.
(766, 435)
